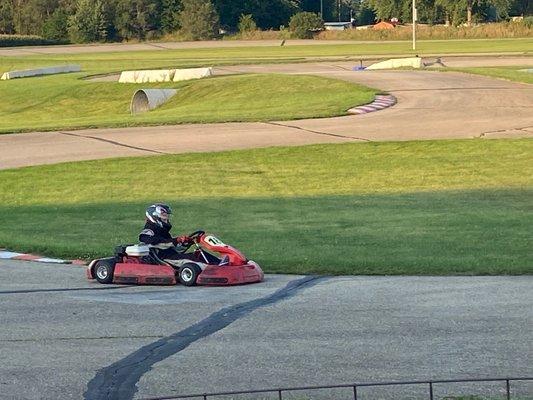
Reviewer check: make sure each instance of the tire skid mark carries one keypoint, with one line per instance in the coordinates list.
(119, 380)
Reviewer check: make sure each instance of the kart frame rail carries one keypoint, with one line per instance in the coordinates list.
(353, 386)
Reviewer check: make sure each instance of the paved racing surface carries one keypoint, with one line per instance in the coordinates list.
(64, 337)
(431, 105)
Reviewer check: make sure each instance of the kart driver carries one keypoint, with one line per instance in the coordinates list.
(156, 233)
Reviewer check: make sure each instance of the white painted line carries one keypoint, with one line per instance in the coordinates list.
(9, 254)
(51, 260)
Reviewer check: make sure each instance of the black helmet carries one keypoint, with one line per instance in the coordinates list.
(159, 214)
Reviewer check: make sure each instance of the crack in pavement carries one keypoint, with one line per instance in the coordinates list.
(119, 380)
(112, 142)
(523, 129)
(316, 132)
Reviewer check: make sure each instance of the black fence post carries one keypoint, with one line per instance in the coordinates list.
(205, 397)
(430, 390)
(279, 395)
(354, 392)
(508, 389)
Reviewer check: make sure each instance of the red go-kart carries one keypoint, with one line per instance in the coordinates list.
(140, 264)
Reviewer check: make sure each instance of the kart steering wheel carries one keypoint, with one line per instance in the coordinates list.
(196, 234)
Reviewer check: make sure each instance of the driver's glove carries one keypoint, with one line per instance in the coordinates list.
(183, 240)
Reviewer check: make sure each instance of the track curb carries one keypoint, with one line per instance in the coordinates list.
(12, 255)
(380, 102)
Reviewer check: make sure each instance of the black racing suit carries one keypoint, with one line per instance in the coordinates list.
(155, 235)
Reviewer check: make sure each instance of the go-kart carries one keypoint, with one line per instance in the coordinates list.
(140, 264)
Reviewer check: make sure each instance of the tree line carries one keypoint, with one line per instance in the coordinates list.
(116, 20)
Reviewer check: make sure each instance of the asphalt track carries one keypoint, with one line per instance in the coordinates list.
(431, 105)
(62, 337)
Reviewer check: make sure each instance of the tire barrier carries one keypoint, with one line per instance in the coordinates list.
(59, 69)
(147, 99)
(164, 75)
(414, 62)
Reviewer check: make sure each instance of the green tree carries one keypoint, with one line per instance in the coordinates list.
(137, 19)
(431, 11)
(89, 23)
(27, 17)
(266, 13)
(303, 24)
(247, 23)
(6, 17)
(199, 20)
(460, 11)
(366, 15)
(170, 10)
(387, 9)
(56, 26)
(521, 7)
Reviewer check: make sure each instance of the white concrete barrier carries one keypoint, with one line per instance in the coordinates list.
(414, 62)
(164, 75)
(192, 73)
(59, 69)
(156, 75)
(147, 99)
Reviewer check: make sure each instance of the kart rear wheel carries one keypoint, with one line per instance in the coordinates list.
(188, 274)
(103, 271)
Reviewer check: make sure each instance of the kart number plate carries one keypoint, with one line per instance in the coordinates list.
(213, 240)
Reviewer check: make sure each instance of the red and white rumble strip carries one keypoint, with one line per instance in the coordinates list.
(380, 102)
(11, 255)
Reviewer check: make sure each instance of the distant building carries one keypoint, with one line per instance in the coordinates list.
(337, 26)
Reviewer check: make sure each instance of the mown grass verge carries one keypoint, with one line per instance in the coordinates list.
(65, 101)
(443, 207)
(509, 73)
(99, 62)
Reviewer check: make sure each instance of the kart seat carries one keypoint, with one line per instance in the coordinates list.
(138, 250)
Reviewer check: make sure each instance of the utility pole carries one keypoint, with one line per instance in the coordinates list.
(415, 18)
(322, 9)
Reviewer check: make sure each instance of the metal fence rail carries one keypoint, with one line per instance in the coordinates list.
(353, 386)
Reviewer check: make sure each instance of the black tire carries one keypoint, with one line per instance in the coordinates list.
(188, 274)
(103, 270)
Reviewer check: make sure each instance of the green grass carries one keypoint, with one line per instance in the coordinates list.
(65, 101)
(442, 207)
(508, 73)
(106, 62)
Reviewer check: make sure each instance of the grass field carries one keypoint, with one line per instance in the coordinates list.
(65, 101)
(440, 207)
(107, 62)
(508, 73)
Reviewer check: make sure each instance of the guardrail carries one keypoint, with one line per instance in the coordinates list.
(353, 386)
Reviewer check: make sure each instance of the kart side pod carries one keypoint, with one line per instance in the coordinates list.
(214, 275)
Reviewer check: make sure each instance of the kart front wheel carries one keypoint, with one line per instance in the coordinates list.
(189, 273)
(103, 271)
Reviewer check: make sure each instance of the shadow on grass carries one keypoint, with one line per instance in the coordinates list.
(459, 232)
